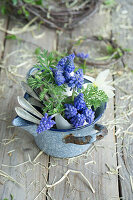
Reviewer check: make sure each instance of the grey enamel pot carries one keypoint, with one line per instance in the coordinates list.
(69, 142)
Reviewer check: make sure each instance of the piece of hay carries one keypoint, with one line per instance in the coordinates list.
(4, 174)
(66, 174)
(26, 28)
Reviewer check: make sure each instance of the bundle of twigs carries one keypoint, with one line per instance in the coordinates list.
(59, 14)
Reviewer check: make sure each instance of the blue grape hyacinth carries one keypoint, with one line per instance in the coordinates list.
(62, 62)
(78, 120)
(69, 65)
(89, 114)
(67, 76)
(82, 55)
(59, 78)
(64, 73)
(79, 113)
(79, 102)
(63, 70)
(77, 80)
(45, 123)
(70, 111)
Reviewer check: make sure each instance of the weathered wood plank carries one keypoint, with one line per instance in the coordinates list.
(106, 187)
(124, 135)
(3, 24)
(23, 148)
(122, 27)
(122, 30)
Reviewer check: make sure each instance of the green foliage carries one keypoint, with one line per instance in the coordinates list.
(58, 55)
(116, 51)
(127, 50)
(49, 93)
(94, 97)
(45, 61)
(34, 2)
(19, 11)
(25, 12)
(5, 7)
(109, 3)
(100, 38)
(11, 37)
(110, 49)
(79, 41)
(37, 51)
(14, 2)
(11, 197)
(35, 82)
(83, 66)
(43, 94)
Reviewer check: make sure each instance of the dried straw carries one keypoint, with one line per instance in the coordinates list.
(66, 174)
(8, 177)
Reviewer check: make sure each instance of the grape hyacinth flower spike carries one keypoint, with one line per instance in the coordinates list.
(89, 114)
(69, 65)
(63, 70)
(45, 123)
(82, 55)
(70, 111)
(78, 120)
(78, 113)
(77, 80)
(79, 102)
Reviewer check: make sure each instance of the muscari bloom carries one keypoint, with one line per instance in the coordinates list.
(79, 113)
(64, 73)
(82, 55)
(63, 69)
(77, 80)
(89, 114)
(62, 62)
(45, 123)
(70, 111)
(59, 78)
(68, 76)
(69, 65)
(79, 102)
(78, 120)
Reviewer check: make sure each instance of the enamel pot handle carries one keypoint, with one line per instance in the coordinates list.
(89, 139)
(30, 72)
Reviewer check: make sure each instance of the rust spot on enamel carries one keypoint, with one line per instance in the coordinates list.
(104, 131)
(99, 128)
(77, 140)
(99, 137)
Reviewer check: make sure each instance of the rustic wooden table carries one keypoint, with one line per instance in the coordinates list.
(108, 165)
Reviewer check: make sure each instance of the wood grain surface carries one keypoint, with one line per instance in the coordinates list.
(122, 29)
(108, 164)
(23, 148)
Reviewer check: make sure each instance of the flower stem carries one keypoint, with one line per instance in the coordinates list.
(84, 66)
(73, 95)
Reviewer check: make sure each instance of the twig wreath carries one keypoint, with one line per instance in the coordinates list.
(55, 14)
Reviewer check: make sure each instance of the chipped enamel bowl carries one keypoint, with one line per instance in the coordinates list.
(65, 143)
